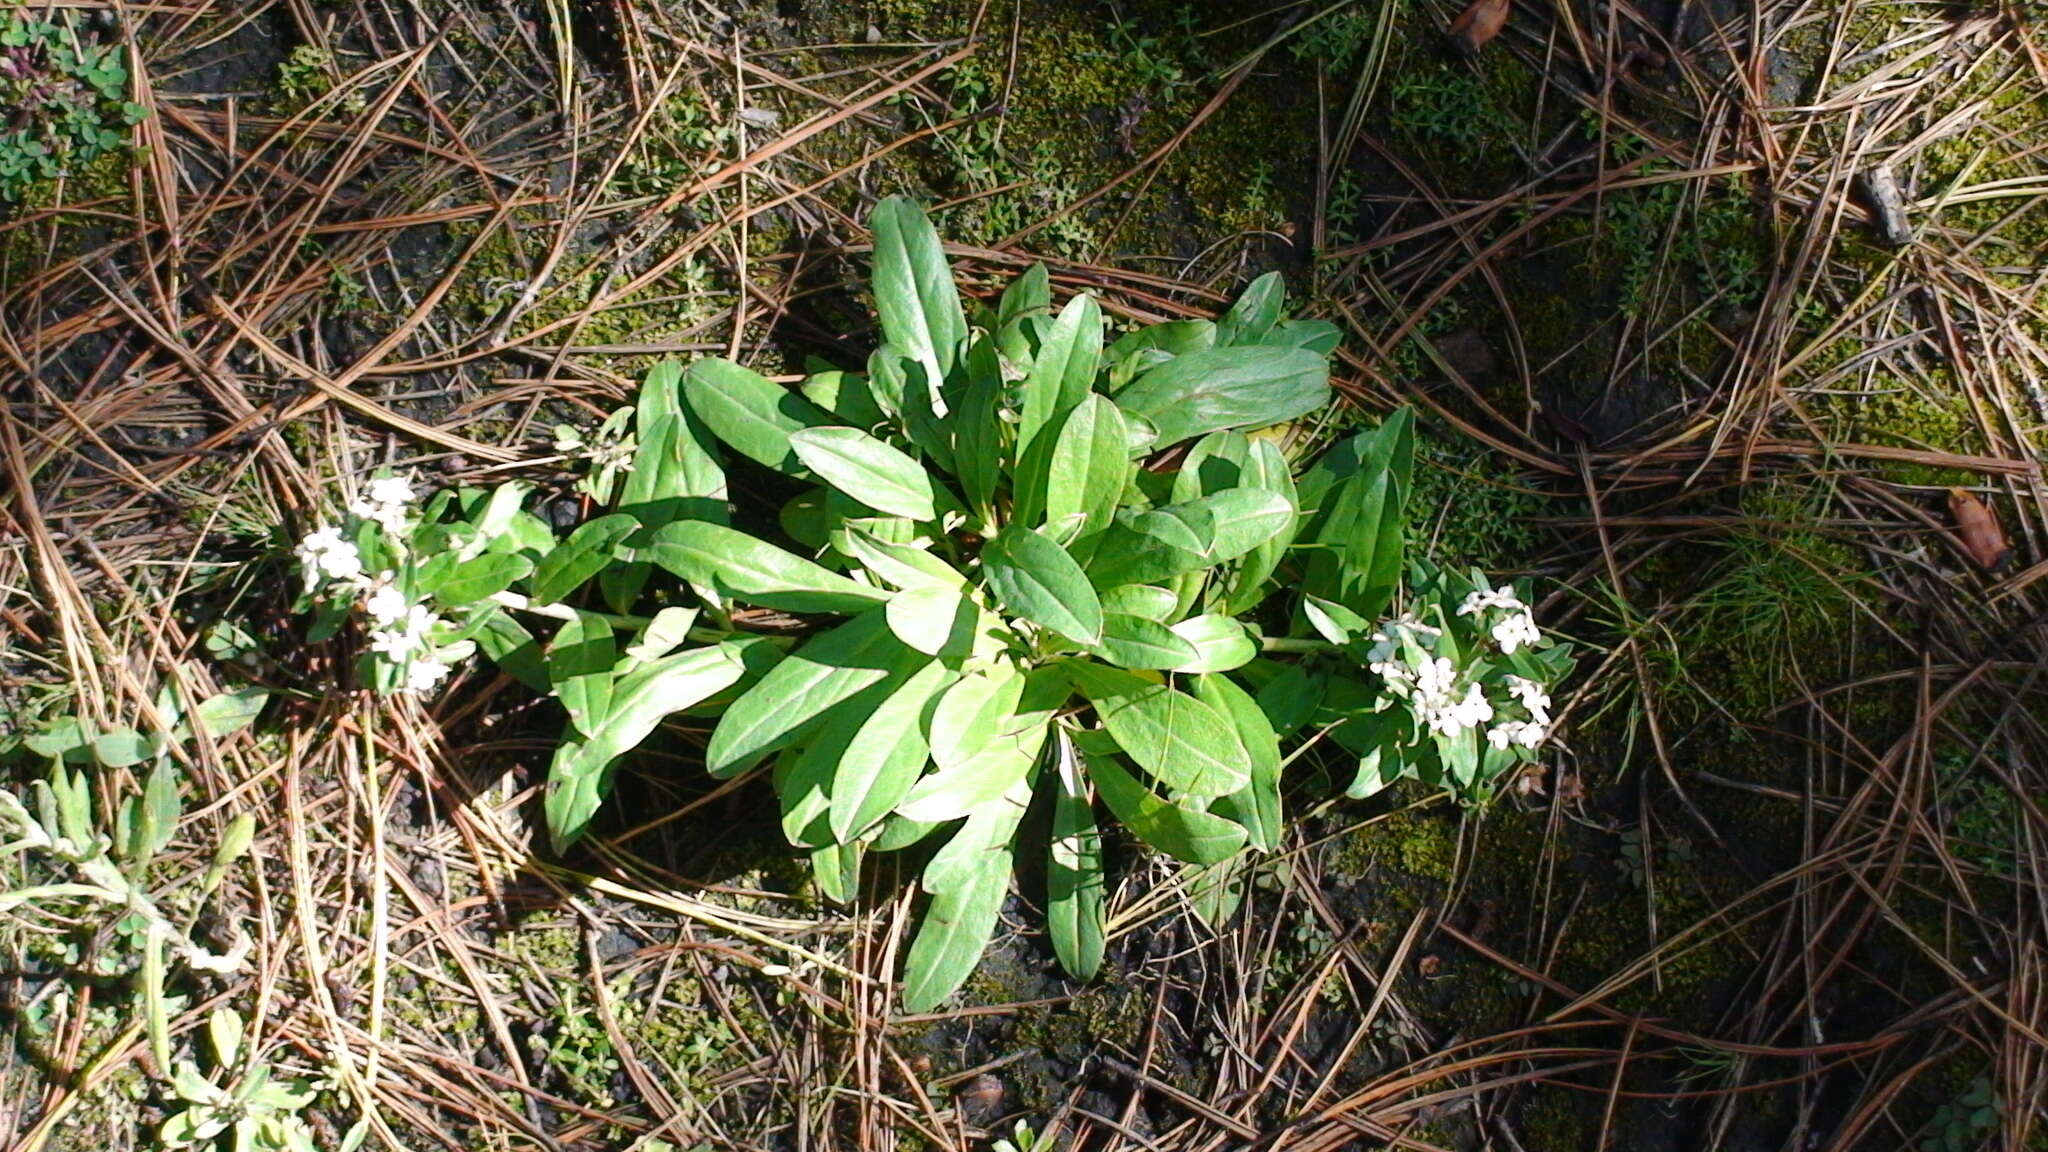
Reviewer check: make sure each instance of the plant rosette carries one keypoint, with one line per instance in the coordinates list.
(1010, 565)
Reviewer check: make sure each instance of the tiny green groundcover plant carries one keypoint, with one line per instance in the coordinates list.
(66, 99)
(1004, 568)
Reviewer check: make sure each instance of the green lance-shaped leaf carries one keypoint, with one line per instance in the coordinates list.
(587, 551)
(956, 930)
(1135, 642)
(1181, 741)
(580, 776)
(968, 877)
(914, 291)
(1064, 371)
(1036, 579)
(745, 568)
(1250, 386)
(787, 702)
(972, 711)
(1159, 544)
(1253, 316)
(837, 869)
(886, 755)
(1215, 462)
(1031, 292)
(935, 620)
(1181, 832)
(978, 773)
(1257, 804)
(1073, 877)
(1173, 338)
(579, 663)
(905, 566)
(749, 413)
(227, 713)
(1147, 600)
(1221, 643)
(1264, 468)
(1076, 472)
(845, 395)
(1353, 532)
(478, 578)
(676, 474)
(870, 471)
(977, 428)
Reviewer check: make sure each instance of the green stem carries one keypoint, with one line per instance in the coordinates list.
(1289, 644)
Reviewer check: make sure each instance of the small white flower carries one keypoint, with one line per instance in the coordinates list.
(386, 605)
(343, 563)
(423, 676)
(387, 500)
(1475, 709)
(1434, 677)
(392, 490)
(1522, 732)
(323, 540)
(408, 637)
(1530, 694)
(1448, 717)
(1517, 629)
(1502, 598)
(327, 556)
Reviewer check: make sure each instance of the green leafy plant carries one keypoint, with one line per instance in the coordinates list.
(67, 100)
(257, 1110)
(1966, 1122)
(1009, 565)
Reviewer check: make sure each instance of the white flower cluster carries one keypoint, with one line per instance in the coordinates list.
(1516, 626)
(401, 630)
(1431, 685)
(1527, 733)
(1441, 695)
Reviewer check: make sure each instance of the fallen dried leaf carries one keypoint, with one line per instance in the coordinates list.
(1977, 528)
(981, 1099)
(1477, 24)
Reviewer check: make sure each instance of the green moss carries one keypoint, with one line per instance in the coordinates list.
(1421, 843)
(1468, 507)
(498, 275)
(1553, 1119)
